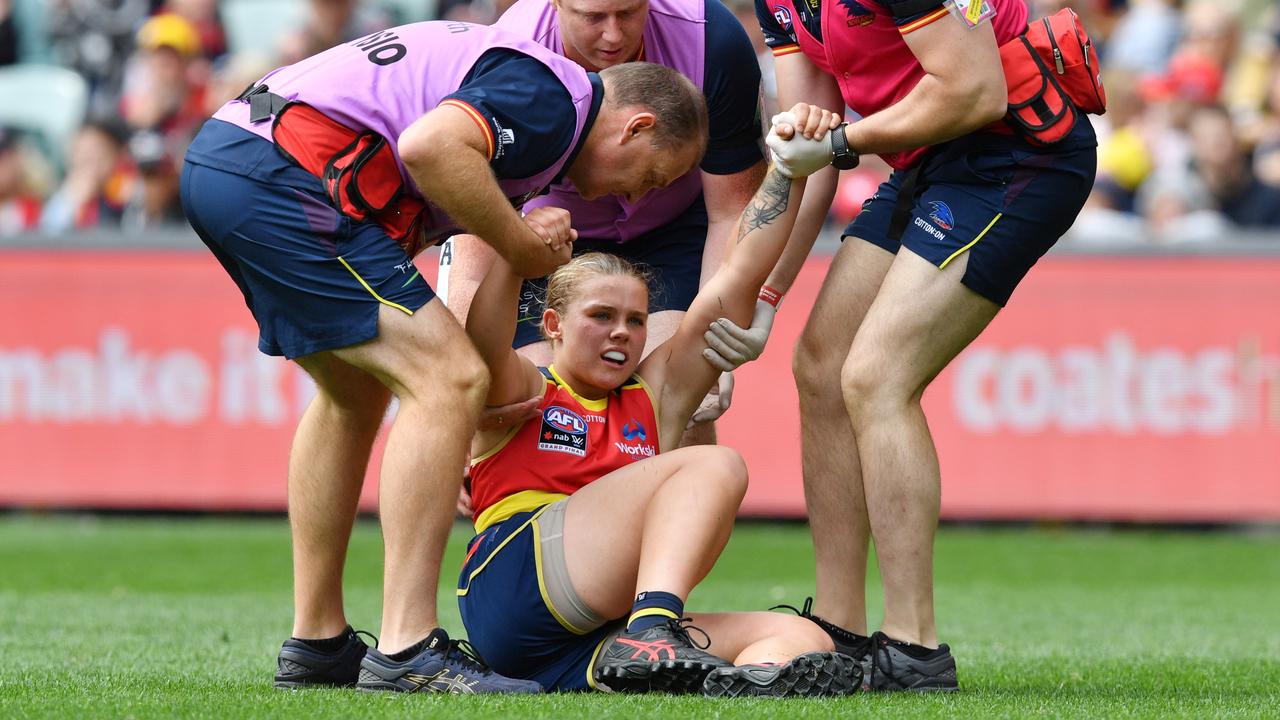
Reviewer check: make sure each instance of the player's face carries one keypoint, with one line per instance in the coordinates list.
(601, 33)
(602, 333)
(633, 169)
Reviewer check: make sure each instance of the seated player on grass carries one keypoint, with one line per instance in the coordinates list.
(582, 519)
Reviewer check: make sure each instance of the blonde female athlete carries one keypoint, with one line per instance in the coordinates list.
(583, 519)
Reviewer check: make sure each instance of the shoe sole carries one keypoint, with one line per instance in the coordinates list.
(678, 677)
(809, 675)
(309, 684)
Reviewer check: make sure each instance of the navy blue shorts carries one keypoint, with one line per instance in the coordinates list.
(500, 596)
(1000, 200)
(672, 254)
(312, 277)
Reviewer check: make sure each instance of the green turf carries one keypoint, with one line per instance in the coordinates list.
(182, 618)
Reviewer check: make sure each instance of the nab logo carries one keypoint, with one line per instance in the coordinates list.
(941, 215)
(565, 420)
(783, 16)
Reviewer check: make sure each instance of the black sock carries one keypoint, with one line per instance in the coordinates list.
(919, 652)
(332, 644)
(410, 651)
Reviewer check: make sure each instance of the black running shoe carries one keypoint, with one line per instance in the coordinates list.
(441, 665)
(661, 658)
(816, 674)
(893, 669)
(300, 665)
(847, 642)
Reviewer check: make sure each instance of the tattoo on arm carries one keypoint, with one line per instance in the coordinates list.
(769, 202)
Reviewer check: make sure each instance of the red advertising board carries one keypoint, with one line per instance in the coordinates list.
(1111, 388)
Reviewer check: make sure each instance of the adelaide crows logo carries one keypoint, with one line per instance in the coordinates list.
(859, 16)
(941, 215)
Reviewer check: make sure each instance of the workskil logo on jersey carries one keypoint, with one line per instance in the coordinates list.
(563, 430)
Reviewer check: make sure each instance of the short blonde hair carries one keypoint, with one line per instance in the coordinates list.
(564, 283)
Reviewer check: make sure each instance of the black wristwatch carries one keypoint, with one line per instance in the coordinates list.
(842, 158)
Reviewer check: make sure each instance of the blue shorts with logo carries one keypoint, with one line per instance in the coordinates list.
(312, 277)
(672, 254)
(500, 596)
(1000, 200)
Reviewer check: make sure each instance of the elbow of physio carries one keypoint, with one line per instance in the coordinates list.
(990, 101)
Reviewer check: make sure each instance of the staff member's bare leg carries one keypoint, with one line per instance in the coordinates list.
(327, 466)
(829, 453)
(426, 361)
(921, 319)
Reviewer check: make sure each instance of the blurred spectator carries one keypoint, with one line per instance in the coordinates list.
(94, 38)
(98, 181)
(19, 204)
(483, 12)
(1223, 168)
(332, 22)
(231, 75)
(154, 200)
(203, 16)
(1145, 37)
(163, 90)
(8, 34)
(1125, 158)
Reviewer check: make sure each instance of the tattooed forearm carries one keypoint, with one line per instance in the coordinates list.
(769, 202)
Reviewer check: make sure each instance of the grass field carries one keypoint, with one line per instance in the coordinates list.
(182, 618)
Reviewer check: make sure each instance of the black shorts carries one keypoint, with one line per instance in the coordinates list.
(1003, 202)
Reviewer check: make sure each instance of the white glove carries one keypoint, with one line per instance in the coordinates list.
(715, 403)
(729, 346)
(798, 157)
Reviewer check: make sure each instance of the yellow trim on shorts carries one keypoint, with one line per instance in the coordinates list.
(513, 504)
(381, 299)
(464, 590)
(542, 585)
(957, 253)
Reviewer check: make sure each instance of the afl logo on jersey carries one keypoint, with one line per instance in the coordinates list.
(563, 430)
(783, 16)
(565, 420)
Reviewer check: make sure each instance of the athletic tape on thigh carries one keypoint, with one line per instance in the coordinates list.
(553, 573)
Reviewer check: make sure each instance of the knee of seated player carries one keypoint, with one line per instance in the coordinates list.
(716, 465)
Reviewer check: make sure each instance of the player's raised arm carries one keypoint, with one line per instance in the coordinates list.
(676, 369)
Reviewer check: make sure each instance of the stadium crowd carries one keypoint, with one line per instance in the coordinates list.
(1188, 151)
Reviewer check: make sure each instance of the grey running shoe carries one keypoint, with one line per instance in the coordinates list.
(816, 674)
(893, 669)
(661, 658)
(300, 665)
(441, 665)
(847, 642)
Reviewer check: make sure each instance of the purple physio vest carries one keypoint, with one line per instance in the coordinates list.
(674, 36)
(385, 81)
